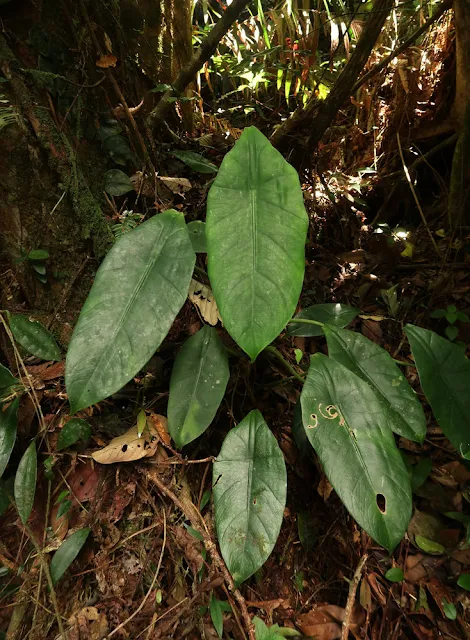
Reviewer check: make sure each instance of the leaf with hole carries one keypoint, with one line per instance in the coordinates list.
(444, 373)
(197, 386)
(66, 553)
(195, 161)
(402, 410)
(8, 427)
(33, 337)
(138, 290)
(330, 313)
(197, 235)
(201, 295)
(249, 490)
(117, 183)
(256, 228)
(25, 482)
(72, 431)
(347, 426)
(130, 446)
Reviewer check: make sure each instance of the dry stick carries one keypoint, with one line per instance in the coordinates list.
(188, 72)
(352, 597)
(197, 521)
(142, 604)
(410, 183)
(325, 111)
(396, 52)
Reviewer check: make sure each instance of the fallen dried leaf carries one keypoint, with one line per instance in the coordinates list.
(201, 296)
(130, 446)
(324, 622)
(106, 61)
(176, 185)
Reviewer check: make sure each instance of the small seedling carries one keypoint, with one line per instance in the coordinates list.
(451, 315)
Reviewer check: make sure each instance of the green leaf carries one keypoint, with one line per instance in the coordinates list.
(464, 581)
(8, 426)
(38, 254)
(25, 482)
(35, 338)
(457, 515)
(6, 490)
(444, 373)
(66, 553)
(141, 285)
(7, 379)
(452, 332)
(197, 235)
(39, 268)
(195, 161)
(401, 408)
(249, 488)
(438, 313)
(395, 574)
(64, 508)
(429, 546)
(420, 473)
(262, 632)
(197, 386)
(331, 313)
(463, 317)
(348, 428)
(449, 609)
(256, 228)
(73, 430)
(117, 183)
(206, 496)
(307, 533)
(298, 355)
(141, 422)
(216, 615)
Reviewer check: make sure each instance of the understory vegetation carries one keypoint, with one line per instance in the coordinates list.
(234, 319)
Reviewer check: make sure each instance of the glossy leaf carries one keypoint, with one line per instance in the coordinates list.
(348, 428)
(25, 482)
(66, 553)
(256, 228)
(331, 313)
(138, 290)
(197, 235)
(195, 161)
(249, 489)
(117, 183)
(8, 426)
(429, 546)
(198, 381)
(401, 408)
(420, 473)
(395, 574)
(7, 379)
(216, 615)
(35, 338)
(444, 373)
(38, 254)
(72, 431)
(464, 581)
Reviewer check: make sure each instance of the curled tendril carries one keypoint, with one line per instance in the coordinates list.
(314, 419)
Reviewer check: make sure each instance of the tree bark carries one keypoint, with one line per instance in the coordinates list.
(322, 114)
(205, 51)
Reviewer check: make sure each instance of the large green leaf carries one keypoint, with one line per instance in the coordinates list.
(7, 379)
(25, 482)
(250, 484)
(197, 235)
(401, 407)
(35, 338)
(331, 313)
(348, 428)
(256, 228)
(8, 426)
(197, 385)
(67, 552)
(444, 373)
(138, 290)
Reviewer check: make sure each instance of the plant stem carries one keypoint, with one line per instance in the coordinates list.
(306, 321)
(404, 364)
(274, 352)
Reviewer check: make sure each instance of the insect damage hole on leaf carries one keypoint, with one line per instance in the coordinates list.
(381, 502)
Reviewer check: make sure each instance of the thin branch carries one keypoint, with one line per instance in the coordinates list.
(396, 52)
(275, 353)
(352, 597)
(189, 71)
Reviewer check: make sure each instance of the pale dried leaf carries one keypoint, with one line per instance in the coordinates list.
(176, 185)
(201, 295)
(129, 446)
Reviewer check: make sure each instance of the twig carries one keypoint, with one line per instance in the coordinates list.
(352, 597)
(142, 604)
(274, 352)
(410, 183)
(197, 521)
(396, 52)
(189, 71)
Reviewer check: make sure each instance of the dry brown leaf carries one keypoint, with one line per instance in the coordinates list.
(176, 185)
(47, 371)
(60, 526)
(324, 488)
(106, 61)
(161, 425)
(129, 446)
(322, 623)
(201, 295)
